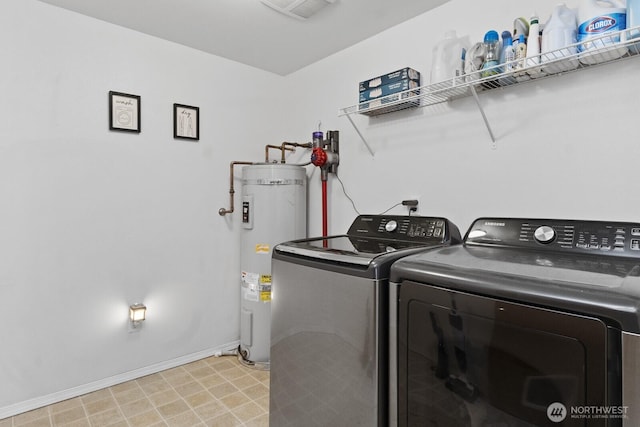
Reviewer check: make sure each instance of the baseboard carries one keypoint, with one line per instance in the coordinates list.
(31, 404)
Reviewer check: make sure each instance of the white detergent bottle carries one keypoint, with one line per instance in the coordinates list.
(601, 25)
(448, 59)
(533, 48)
(558, 41)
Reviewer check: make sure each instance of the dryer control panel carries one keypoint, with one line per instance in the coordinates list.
(406, 228)
(596, 237)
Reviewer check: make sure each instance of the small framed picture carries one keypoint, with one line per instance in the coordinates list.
(124, 112)
(186, 122)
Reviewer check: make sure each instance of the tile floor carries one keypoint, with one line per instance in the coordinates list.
(216, 391)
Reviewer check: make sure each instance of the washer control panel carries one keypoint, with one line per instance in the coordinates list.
(614, 238)
(407, 228)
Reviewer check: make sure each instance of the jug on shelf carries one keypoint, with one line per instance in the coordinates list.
(448, 58)
(601, 25)
(559, 41)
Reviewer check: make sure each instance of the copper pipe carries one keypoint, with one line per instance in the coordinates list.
(277, 147)
(266, 151)
(223, 211)
(293, 144)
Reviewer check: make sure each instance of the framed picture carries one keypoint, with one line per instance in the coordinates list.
(124, 112)
(186, 122)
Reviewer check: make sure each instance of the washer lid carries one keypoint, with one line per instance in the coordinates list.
(371, 236)
(509, 265)
(603, 286)
(345, 249)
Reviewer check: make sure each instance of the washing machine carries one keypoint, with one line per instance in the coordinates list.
(530, 322)
(329, 320)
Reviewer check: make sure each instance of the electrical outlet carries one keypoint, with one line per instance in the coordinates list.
(411, 204)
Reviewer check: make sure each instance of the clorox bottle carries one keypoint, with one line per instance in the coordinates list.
(599, 26)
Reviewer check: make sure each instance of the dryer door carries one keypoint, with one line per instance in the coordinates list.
(467, 360)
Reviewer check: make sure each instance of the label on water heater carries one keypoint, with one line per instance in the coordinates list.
(256, 287)
(250, 286)
(262, 248)
(265, 287)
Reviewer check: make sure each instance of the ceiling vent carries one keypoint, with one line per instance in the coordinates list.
(301, 9)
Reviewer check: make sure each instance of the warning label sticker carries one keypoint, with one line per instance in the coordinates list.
(250, 278)
(256, 287)
(262, 248)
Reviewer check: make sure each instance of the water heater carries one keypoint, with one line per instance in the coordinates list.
(274, 210)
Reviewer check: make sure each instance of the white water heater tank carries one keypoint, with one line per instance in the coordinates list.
(274, 210)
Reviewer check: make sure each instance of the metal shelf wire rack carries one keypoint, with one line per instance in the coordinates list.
(605, 49)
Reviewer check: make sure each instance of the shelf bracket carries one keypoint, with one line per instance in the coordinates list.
(484, 117)
(366, 144)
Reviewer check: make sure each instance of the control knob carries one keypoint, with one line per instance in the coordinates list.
(391, 226)
(544, 234)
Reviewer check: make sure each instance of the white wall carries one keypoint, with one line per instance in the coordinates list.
(93, 220)
(566, 146)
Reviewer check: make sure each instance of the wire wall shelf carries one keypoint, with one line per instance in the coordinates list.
(609, 48)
